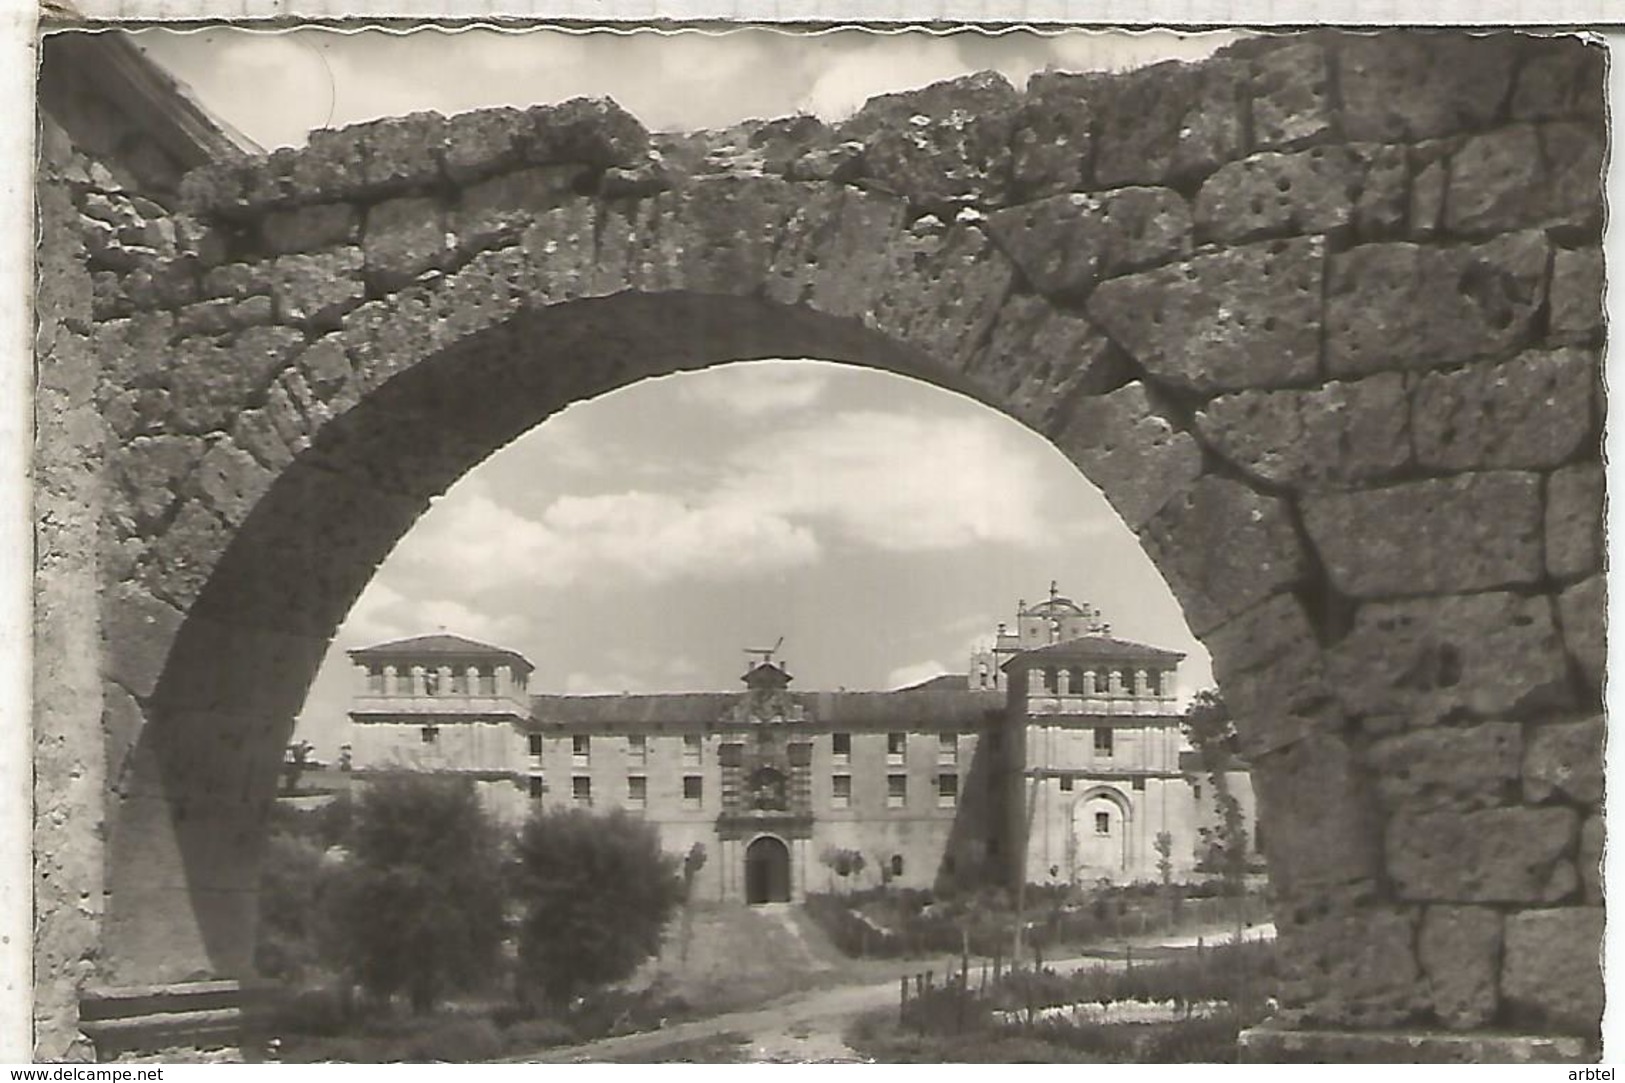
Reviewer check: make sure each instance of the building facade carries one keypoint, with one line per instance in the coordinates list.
(1062, 763)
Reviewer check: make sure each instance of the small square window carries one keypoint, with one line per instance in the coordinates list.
(535, 744)
(1196, 790)
(840, 791)
(637, 748)
(691, 749)
(537, 787)
(840, 745)
(947, 791)
(947, 748)
(1067, 782)
(1103, 740)
(581, 790)
(896, 791)
(429, 734)
(896, 745)
(580, 749)
(1103, 823)
(637, 790)
(897, 864)
(693, 790)
(1139, 784)
(487, 682)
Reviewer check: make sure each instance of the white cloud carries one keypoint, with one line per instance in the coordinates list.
(765, 387)
(914, 673)
(859, 70)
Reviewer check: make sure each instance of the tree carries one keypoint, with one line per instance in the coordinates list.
(293, 885)
(1212, 732)
(597, 892)
(693, 862)
(420, 902)
(294, 762)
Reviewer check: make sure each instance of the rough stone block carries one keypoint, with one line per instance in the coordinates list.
(1382, 202)
(1461, 767)
(402, 153)
(1322, 821)
(1564, 759)
(316, 291)
(1590, 859)
(1566, 82)
(1527, 175)
(1576, 294)
(1574, 153)
(1227, 321)
(1170, 122)
(1530, 412)
(1581, 609)
(1407, 306)
(1551, 974)
(1439, 536)
(1498, 855)
(180, 561)
(1491, 655)
(229, 481)
(944, 293)
(497, 210)
(1429, 165)
(403, 238)
(137, 630)
(1574, 509)
(1338, 435)
(1354, 968)
(223, 315)
(1039, 359)
(1280, 195)
(587, 131)
(1404, 86)
(237, 280)
(1291, 96)
(133, 351)
(309, 229)
(1124, 445)
(483, 142)
(330, 167)
(941, 146)
(1269, 664)
(148, 469)
(1223, 548)
(1052, 139)
(1459, 948)
(1067, 244)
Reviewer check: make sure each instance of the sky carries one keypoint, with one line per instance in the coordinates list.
(643, 540)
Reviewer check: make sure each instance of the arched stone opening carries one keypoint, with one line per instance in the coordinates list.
(1279, 306)
(767, 871)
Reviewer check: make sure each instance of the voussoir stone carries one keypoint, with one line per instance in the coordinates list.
(1574, 507)
(229, 480)
(1564, 759)
(1039, 359)
(1462, 767)
(1402, 306)
(1491, 655)
(1530, 412)
(1270, 666)
(1439, 536)
(1497, 855)
(1067, 244)
(1324, 826)
(1226, 321)
(1344, 433)
(1132, 451)
(1459, 948)
(1223, 547)
(1551, 972)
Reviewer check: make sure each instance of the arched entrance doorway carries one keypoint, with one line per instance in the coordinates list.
(767, 871)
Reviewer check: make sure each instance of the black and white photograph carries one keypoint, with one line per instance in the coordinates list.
(812, 544)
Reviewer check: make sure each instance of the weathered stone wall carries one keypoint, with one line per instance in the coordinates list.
(1321, 316)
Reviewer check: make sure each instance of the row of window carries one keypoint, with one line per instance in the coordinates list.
(1112, 682)
(430, 682)
(840, 795)
(637, 747)
(1068, 782)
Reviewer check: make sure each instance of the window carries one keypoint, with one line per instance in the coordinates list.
(403, 682)
(1103, 740)
(1051, 680)
(897, 864)
(1139, 784)
(581, 790)
(535, 744)
(1196, 790)
(637, 791)
(693, 791)
(1103, 823)
(947, 790)
(637, 749)
(375, 681)
(982, 680)
(459, 681)
(486, 682)
(947, 748)
(431, 682)
(537, 787)
(429, 734)
(580, 749)
(840, 745)
(1074, 681)
(840, 791)
(896, 791)
(896, 746)
(1066, 783)
(691, 750)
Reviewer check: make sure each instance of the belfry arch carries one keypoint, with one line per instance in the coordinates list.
(1269, 304)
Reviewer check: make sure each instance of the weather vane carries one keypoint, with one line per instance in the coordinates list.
(766, 653)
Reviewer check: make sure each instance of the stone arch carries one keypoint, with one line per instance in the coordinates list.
(1340, 238)
(1080, 833)
(769, 870)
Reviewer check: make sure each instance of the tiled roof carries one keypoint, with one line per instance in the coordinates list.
(440, 645)
(942, 682)
(1094, 648)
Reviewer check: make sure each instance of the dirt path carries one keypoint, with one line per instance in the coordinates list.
(806, 1027)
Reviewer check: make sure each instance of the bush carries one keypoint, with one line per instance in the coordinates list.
(456, 1041)
(538, 1034)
